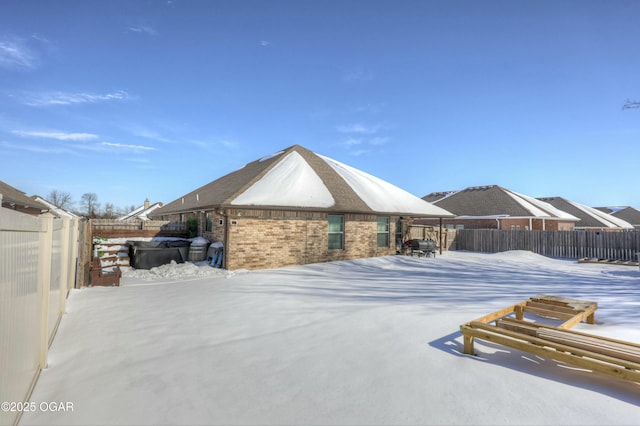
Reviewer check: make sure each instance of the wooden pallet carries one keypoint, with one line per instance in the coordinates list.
(104, 276)
(113, 253)
(597, 353)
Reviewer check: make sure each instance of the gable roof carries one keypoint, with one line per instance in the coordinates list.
(628, 214)
(12, 197)
(299, 179)
(55, 210)
(143, 212)
(496, 201)
(589, 216)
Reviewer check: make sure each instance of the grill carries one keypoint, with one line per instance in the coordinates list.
(423, 247)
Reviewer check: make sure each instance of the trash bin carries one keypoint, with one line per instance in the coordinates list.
(198, 249)
(183, 247)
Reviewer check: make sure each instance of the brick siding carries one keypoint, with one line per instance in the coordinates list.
(281, 239)
(271, 243)
(264, 239)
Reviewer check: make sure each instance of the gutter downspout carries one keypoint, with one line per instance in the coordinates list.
(225, 245)
(227, 237)
(498, 222)
(440, 233)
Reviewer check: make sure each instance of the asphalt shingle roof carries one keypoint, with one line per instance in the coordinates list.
(11, 195)
(589, 216)
(488, 200)
(222, 192)
(494, 200)
(628, 214)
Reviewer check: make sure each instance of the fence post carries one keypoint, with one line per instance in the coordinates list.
(44, 282)
(64, 267)
(84, 253)
(73, 253)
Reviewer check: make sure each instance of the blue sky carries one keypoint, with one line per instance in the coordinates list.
(152, 99)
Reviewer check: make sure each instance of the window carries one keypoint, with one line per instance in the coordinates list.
(399, 236)
(383, 232)
(336, 232)
(208, 226)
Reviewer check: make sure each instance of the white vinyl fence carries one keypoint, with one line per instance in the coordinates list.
(37, 270)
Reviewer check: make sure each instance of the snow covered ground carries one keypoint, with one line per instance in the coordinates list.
(371, 341)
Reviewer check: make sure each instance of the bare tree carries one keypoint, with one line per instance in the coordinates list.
(60, 199)
(109, 211)
(89, 203)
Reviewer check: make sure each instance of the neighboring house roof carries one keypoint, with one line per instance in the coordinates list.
(143, 212)
(626, 213)
(437, 196)
(608, 210)
(496, 201)
(55, 210)
(12, 197)
(589, 216)
(296, 178)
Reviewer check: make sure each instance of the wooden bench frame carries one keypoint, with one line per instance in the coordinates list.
(614, 357)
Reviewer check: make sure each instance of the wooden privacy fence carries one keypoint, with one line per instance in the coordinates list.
(121, 229)
(426, 232)
(37, 270)
(137, 228)
(564, 244)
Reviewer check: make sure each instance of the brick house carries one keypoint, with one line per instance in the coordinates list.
(298, 207)
(494, 207)
(626, 213)
(591, 219)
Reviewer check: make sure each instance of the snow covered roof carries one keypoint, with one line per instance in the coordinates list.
(437, 196)
(14, 197)
(143, 212)
(610, 209)
(496, 201)
(626, 213)
(57, 211)
(540, 208)
(296, 178)
(589, 217)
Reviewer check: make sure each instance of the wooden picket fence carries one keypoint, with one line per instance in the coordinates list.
(135, 227)
(622, 246)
